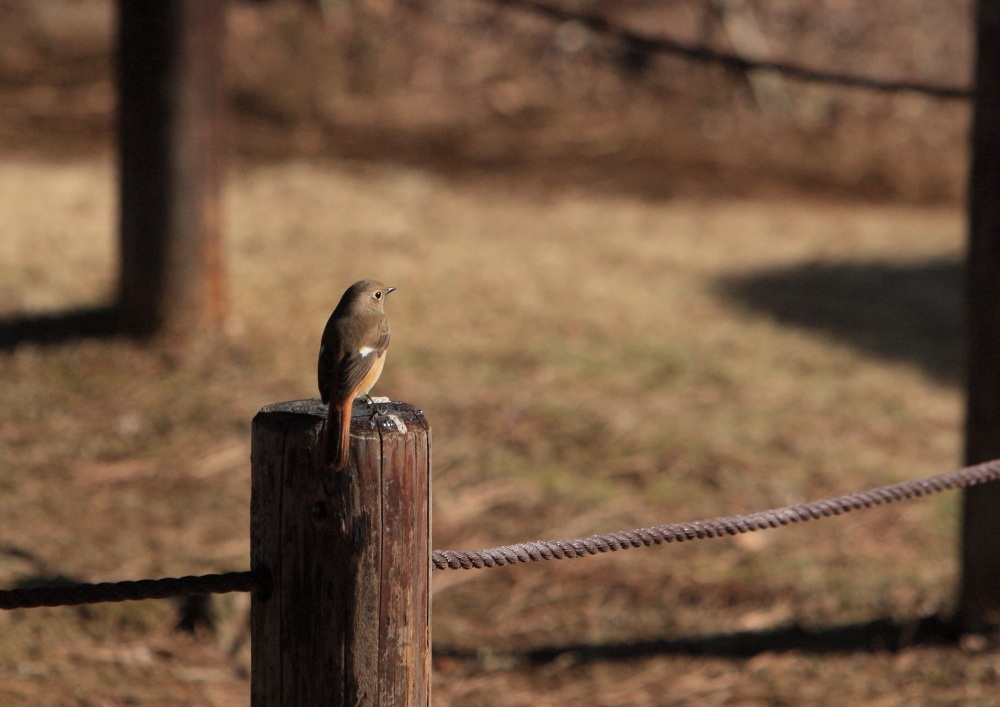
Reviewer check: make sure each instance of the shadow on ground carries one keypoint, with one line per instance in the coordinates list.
(879, 635)
(911, 313)
(61, 327)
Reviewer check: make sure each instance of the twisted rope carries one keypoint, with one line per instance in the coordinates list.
(715, 527)
(649, 44)
(75, 594)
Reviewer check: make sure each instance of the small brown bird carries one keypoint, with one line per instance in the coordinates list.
(351, 356)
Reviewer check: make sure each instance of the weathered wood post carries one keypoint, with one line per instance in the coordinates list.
(347, 621)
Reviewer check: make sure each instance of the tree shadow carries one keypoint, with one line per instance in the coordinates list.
(879, 635)
(905, 312)
(58, 328)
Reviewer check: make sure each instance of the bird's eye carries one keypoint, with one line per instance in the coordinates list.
(378, 294)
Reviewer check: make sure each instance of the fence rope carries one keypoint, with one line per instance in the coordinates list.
(715, 527)
(649, 44)
(76, 594)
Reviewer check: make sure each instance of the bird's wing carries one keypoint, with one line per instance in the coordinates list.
(355, 365)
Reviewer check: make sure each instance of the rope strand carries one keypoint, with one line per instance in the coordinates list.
(649, 44)
(535, 551)
(75, 594)
(715, 527)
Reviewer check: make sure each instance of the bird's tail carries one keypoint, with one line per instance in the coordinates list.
(337, 442)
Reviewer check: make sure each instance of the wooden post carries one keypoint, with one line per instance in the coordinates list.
(169, 64)
(348, 619)
(979, 600)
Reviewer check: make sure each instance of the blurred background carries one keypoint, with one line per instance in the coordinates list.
(633, 288)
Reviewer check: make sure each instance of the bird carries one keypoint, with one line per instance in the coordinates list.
(351, 357)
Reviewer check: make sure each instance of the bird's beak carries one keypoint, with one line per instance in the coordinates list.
(389, 289)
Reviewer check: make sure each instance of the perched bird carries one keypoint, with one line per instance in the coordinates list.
(351, 356)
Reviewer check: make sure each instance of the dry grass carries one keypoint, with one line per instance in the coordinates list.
(587, 362)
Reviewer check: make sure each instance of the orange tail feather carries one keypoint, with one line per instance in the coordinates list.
(337, 445)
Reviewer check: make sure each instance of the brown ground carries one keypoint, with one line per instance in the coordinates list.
(623, 300)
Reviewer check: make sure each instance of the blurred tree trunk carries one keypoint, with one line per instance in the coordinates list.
(979, 601)
(169, 63)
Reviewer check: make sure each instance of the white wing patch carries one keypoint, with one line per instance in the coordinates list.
(365, 350)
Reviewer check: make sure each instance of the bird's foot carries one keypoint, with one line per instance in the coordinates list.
(379, 405)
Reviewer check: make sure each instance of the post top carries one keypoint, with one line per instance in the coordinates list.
(393, 412)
